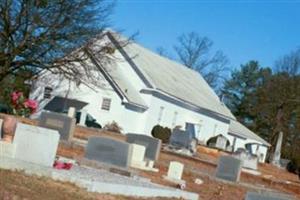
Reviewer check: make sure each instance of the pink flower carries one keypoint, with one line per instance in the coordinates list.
(31, 104)
(15, 96)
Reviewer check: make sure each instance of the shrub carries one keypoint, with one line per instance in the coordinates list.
(22, 106)
(162, 133)
(113, 127)
(293, 166)
(214, 140)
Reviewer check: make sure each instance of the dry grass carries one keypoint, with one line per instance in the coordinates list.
(17, 186)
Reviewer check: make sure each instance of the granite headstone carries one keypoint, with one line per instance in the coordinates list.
(64, 124)
(152, 145)
(109, 151)
(229, 168)
(180, 139)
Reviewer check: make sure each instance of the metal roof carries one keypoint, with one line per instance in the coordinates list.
(236, 128)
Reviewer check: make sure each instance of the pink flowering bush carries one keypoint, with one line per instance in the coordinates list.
(22, 106)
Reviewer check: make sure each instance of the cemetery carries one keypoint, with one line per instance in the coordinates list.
(138, 166)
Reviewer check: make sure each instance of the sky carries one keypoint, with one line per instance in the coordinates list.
(243, 30)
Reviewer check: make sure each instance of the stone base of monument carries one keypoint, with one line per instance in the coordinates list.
(180, 182)
(144, 167)
(97, 180)
(251, 171)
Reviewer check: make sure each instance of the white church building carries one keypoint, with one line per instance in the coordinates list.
(141, 89)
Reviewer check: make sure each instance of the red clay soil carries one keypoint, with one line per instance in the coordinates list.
(203, 167)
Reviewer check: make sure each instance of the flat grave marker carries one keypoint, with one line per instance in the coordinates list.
(267, 196)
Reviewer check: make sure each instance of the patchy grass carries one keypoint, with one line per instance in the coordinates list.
(18, 186)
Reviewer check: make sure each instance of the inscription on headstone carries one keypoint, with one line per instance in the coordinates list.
(35, 144)
(62, 123)
(175, 170)
(229, 168)
(109, 151)
(152, 145)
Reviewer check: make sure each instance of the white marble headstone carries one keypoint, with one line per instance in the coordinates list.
(221, 142)
(72, 112)
(36, 144)
(138, 155)
(175, 170)
(7, 149)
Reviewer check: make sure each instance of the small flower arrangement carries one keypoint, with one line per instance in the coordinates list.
(22, 106)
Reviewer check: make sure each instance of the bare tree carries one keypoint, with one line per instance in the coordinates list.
(42, 35)
(289, 63)
(195, 52)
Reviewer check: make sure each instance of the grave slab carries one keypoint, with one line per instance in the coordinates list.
(221, 142)
(109, 151)
(64, 124)
(7, 149)
(152, 145)
(35, 144)
(267, 196)
(229, 168)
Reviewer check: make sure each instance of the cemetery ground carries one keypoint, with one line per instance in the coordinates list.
(202, 167)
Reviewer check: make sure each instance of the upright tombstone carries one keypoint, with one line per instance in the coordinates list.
(152, 145)
(175, 170)
(72, 112)
(277, 153)
(109, 151)
(35, 144)
(249, 161)
(175, 173)
(180, 139)
(64, 124)
(229, 168)
(221, 142)
(83, 115)
(138, 156)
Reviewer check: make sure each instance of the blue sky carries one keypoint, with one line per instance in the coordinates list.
(243, 30)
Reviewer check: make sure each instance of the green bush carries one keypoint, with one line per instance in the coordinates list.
(162, 133)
